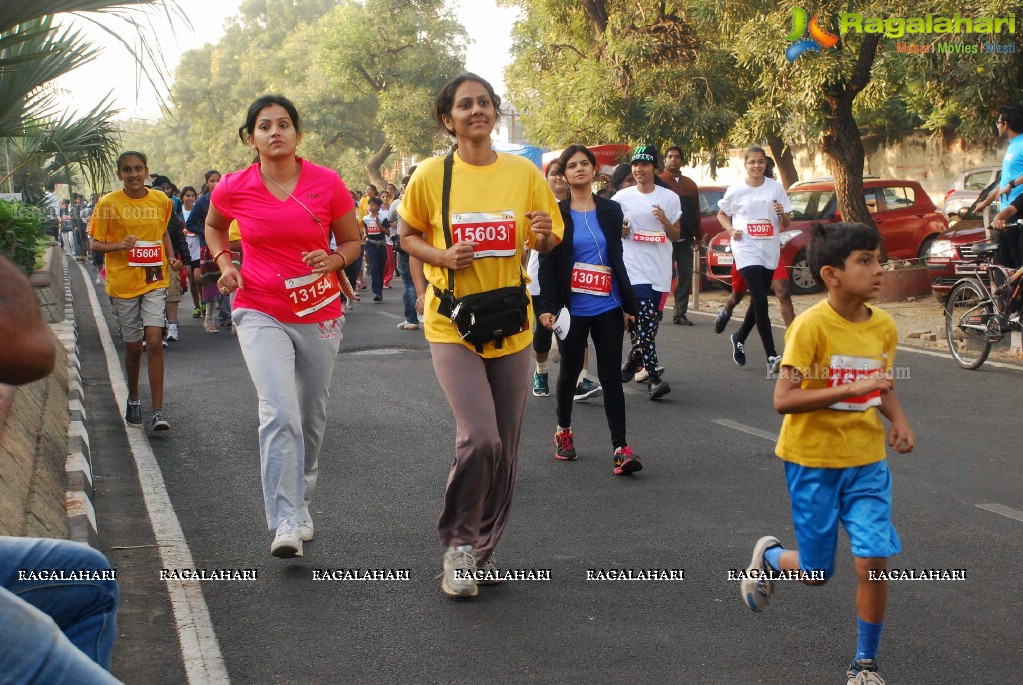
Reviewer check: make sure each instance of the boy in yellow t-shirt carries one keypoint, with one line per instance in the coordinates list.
(836, 369)
(130, 228)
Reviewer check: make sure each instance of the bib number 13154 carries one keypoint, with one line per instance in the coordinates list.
(308, 294)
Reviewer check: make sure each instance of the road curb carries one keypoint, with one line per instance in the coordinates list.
(81, 513)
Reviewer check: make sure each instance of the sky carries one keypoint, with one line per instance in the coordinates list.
(489, 28)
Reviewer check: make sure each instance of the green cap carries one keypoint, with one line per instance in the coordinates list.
(645, 153)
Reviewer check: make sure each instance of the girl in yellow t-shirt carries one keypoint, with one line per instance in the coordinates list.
(486, 389)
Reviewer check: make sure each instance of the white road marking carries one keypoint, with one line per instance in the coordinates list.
(200, 650)
(390, 316)
(1003, 510)
(773, 437)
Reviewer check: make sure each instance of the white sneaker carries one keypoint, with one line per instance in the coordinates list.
(287, 543)
(172, 332)
(459, 569)
(306, 530)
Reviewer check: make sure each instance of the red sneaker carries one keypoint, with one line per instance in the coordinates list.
(626, 462)
(564, 441)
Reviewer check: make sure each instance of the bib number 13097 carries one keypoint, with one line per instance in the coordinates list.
(308, 294)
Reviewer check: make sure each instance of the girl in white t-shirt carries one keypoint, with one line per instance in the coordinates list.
(755, 212)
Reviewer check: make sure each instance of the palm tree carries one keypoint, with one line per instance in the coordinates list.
(37, 138)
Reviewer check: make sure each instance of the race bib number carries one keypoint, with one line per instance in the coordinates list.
(308, 294)
(372, 227)
(649, 236)
(591, 279)
(845, 370)
(760, 229)
(493, 232)
(146, 254)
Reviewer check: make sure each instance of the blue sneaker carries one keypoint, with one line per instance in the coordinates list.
(541, 384)
(722, 320)
(738, 351)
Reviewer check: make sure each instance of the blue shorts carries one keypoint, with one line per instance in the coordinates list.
(860, 497)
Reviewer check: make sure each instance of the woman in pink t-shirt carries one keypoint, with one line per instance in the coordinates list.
(287, 308)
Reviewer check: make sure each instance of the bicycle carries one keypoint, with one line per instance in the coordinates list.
(983, 308)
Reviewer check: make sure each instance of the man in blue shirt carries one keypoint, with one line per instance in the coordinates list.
(1010, 125)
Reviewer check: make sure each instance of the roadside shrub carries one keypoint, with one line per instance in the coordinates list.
(21, 227)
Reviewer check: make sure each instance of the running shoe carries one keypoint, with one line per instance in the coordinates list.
(658, 390)
(626, 461)
(172, 332)
(159, 423)
(642, 376)
(773, 367)
(490, 575)
(459, 572)
(541, 384)
(757, 592)
(133, 412)
(378, 298)
(722, 320)
(682, 320)
(565, 443)
(196, 313)
(287, 542)
(864, 672)
(210, 327)
(408, 326)
(631, 367)
(587, 389)
(738, 351)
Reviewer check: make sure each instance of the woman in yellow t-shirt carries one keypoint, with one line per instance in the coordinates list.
(499, 203)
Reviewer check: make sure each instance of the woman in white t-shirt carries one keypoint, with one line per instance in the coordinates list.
(755, 212)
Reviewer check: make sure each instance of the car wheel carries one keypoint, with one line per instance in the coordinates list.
(803, 282)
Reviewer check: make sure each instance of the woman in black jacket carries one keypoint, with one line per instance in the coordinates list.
(586, 274)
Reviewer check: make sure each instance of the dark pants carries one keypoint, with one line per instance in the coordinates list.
(1010, 247)
(682, 253)
(606, 330)
(376, 253)
(758, 280)
(488, 398)
(408, 295)
(542, 336)
(644, 335)
(354, 269)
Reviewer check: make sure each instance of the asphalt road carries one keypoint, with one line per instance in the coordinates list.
(707, 492)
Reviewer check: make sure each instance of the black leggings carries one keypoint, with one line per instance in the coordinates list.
(758, 280)
(606, 330)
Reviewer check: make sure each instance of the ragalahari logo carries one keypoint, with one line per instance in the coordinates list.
(819, 38)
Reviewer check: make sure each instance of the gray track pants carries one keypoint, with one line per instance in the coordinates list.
(291, 366)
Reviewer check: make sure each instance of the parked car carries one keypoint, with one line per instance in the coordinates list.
(903, 212)
(709, 224)
(967, 187)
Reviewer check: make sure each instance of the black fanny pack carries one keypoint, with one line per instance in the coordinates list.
(488, 316)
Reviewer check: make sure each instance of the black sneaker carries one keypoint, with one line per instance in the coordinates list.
(133, 412)
(564, 441)
(629, 369)
(626, 461)
(682, 321)
(659, 389)
(722, 320)
(159, 422)
(738, 351)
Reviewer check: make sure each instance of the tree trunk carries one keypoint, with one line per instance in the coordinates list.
(374, 164)
(841, 142)
(782, 153)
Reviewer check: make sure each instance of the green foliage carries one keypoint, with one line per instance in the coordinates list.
(622, 71)
(20, 231)
(362, 75)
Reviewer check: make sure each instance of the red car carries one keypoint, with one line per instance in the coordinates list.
(903, 212)
(950, 256)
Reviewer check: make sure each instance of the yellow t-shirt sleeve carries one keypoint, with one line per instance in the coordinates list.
(801, 345)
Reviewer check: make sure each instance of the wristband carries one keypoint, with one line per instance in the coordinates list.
(222, 252)
(1012, 183)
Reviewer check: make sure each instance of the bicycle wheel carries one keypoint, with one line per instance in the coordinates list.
(967, 313)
